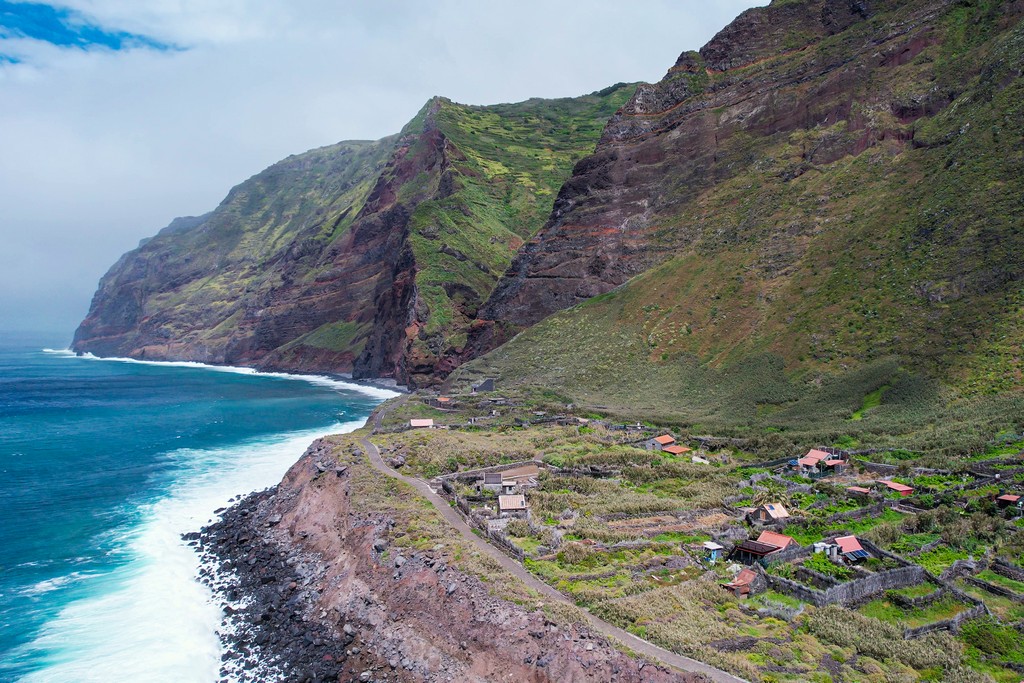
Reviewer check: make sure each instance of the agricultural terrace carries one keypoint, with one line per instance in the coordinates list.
(624, 529)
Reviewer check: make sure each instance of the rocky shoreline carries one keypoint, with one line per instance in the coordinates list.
(265, 591)
(313, 590)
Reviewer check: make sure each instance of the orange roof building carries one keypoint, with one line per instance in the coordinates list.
(742, 583)
(899, 488)
(779, 540)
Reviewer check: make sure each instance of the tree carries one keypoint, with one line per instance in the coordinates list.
(771, 491)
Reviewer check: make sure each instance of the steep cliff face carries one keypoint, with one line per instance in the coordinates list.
(363, 257)
(803, 65)
(798, 171)
(269, 265)
(822, 204)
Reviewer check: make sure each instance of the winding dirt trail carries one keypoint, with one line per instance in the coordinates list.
(636, 644)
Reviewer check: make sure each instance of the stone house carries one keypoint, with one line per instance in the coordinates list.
(769, 512)
(512, 506)
(659, 443)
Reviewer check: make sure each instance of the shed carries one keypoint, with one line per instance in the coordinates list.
(676, 449)
(659, 443)
(749, 552)
(899, 488)
(743, 582)
(712, 551)
(835, 464)
(1010, 500)
(491, 481)
(421, 423)
(858, 490)
(769, 512)
(511, 505)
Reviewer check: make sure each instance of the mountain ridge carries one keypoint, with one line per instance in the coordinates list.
(795, 203)
(341, 259)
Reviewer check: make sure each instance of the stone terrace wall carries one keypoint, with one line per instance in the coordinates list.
(479, 472)
(994, 589)
(953, 625)
(849, 592)
(1008, 570)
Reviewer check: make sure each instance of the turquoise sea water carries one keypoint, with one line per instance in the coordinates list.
(103, 464)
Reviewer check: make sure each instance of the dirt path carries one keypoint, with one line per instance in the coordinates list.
(636, 644)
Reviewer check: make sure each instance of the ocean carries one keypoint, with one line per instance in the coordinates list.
(103, 465)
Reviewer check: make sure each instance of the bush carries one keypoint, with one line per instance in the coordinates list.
(993, 638)
(821, 564)
(574, 554)
(518, 527)
(883, 641)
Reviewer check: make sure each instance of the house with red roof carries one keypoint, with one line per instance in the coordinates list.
(659, 443)
(781, 540)
(818, 462)
(768, 543)
(1010, 500)
(675, 449)
(850, 549)
(899, 488)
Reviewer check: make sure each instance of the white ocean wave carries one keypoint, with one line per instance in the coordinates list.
(56, 583)
(151, 620)
(319, 380)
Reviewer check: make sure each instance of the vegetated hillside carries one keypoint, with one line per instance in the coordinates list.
(825, 204)
(363, 257)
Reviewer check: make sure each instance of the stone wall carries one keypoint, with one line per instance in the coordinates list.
(994, 589)
(480, 471)
(953, 625)
(850, 592)
(1008, 570)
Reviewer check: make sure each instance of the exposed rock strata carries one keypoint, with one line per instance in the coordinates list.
(752, 85)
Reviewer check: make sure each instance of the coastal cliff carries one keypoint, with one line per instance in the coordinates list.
(819, 206)
(341, 573)
(369, 258)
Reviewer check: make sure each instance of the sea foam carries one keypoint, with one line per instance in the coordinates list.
(151, 620)
(319, 380)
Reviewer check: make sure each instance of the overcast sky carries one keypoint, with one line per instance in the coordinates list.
(118, 115)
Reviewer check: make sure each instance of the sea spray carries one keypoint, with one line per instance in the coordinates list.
(104, 465)
(149, 620)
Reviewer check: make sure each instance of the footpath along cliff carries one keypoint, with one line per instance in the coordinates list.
(342, 573)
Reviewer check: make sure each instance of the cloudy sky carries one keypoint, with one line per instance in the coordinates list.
(118, 115)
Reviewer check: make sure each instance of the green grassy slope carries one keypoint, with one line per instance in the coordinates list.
(307, 265)
(507, 163)
(811, 286)
(191, 285)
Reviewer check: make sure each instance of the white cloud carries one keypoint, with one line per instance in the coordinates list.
(102, 148)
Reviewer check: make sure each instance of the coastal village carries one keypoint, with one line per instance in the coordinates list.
(821, 564)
